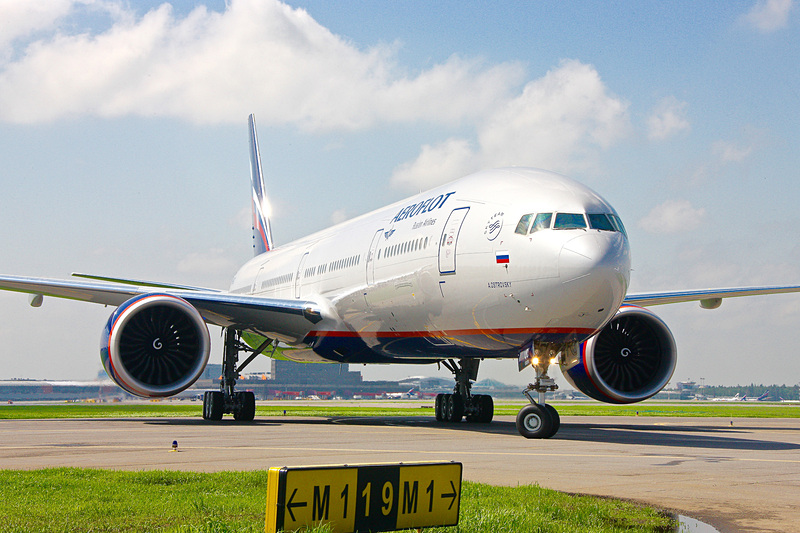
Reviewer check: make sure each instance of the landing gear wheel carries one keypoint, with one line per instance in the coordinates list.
(458, 408)
(447, 407)
(555, 418)
(439, 409)
(483, 409)
(534, 422)
(213, 405)
(487, 409)
(452, 408)
(245, 406)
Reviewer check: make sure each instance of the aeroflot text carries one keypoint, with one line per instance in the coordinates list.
(423, 207)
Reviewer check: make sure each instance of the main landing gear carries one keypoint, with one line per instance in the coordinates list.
(241, 404)
(462, 403)
(539, 420)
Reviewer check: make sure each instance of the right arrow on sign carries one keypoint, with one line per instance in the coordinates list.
(452, 495)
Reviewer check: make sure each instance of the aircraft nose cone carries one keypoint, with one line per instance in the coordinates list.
(594, 268)
(591, 253)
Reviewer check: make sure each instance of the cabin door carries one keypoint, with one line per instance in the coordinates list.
(298, 279)
(449, 240)
(372, 257)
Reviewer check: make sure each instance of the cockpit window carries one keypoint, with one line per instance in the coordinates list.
(569, 221)
(601, 222)
(542, 221)
(617, 222)
(522, 225)
(531, 223)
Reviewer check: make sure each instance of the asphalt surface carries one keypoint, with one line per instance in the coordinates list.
(740, 477)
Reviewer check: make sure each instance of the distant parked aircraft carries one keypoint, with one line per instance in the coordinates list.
(407, 395)
(736, 398)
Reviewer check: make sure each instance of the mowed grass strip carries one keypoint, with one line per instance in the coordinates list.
(696, 409)
(71, 499)
(410, 408)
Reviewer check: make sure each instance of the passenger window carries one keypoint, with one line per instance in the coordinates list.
(569, 221)
(523, 224)
(542, 221)
(600, 222)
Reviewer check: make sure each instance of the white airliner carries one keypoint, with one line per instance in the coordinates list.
(508, 263)
(737, 398)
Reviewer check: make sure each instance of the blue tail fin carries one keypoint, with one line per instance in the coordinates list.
(262, 232)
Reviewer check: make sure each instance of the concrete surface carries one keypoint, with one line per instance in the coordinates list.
(740, 477)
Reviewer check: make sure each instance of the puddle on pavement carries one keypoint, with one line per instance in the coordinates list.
(687, 524)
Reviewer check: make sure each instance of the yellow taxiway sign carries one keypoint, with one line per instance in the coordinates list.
(377, 497)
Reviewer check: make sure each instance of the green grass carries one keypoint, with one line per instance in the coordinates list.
(71, 499)
(100, 410)
(717, 409)
(194, 409)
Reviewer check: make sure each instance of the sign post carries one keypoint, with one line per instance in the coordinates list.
(380, 497)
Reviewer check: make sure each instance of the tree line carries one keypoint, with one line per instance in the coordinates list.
(776, 392)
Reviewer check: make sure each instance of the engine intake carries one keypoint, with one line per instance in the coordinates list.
(155, 345)
(631, 359)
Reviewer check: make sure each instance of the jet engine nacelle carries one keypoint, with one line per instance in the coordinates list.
(629, 360)
(155, 345)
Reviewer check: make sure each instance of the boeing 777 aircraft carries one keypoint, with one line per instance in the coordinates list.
(507, 263)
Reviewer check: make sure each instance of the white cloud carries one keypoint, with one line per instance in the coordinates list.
(260, 56)
(727, 152)
(243, 219)
(339, 216)
(667, 119)
(446, 161)
(769, 15)
(558, 122)
(18, 19)
(672, 216)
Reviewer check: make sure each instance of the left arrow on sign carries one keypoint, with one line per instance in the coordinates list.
(291, 505)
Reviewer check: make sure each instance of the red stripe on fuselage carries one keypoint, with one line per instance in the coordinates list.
(450, 333)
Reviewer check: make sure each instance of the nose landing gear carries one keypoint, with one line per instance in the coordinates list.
(540, 420)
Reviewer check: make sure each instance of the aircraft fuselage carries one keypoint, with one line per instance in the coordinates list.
(454, 272)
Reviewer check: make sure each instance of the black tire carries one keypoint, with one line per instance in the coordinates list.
(473, 413)
(487, 409)
(534, 422)
(439, 407)
(245, 409)
(456, 408)
(555, 419)
(482, 409)
(213, 405)
(447, 407)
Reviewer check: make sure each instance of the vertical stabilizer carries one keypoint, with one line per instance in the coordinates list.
(262, 232)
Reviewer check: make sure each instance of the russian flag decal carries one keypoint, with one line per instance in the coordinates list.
(502, 257)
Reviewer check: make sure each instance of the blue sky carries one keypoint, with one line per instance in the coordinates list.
(123, 145)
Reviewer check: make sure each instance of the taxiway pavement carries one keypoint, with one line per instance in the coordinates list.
(740, 477)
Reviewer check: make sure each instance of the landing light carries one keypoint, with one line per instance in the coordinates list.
(535, 361)
(553, 360)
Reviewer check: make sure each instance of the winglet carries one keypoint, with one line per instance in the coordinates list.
(262, 232)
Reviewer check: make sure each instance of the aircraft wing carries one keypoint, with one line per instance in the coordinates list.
(288, 320)
(708, 298)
